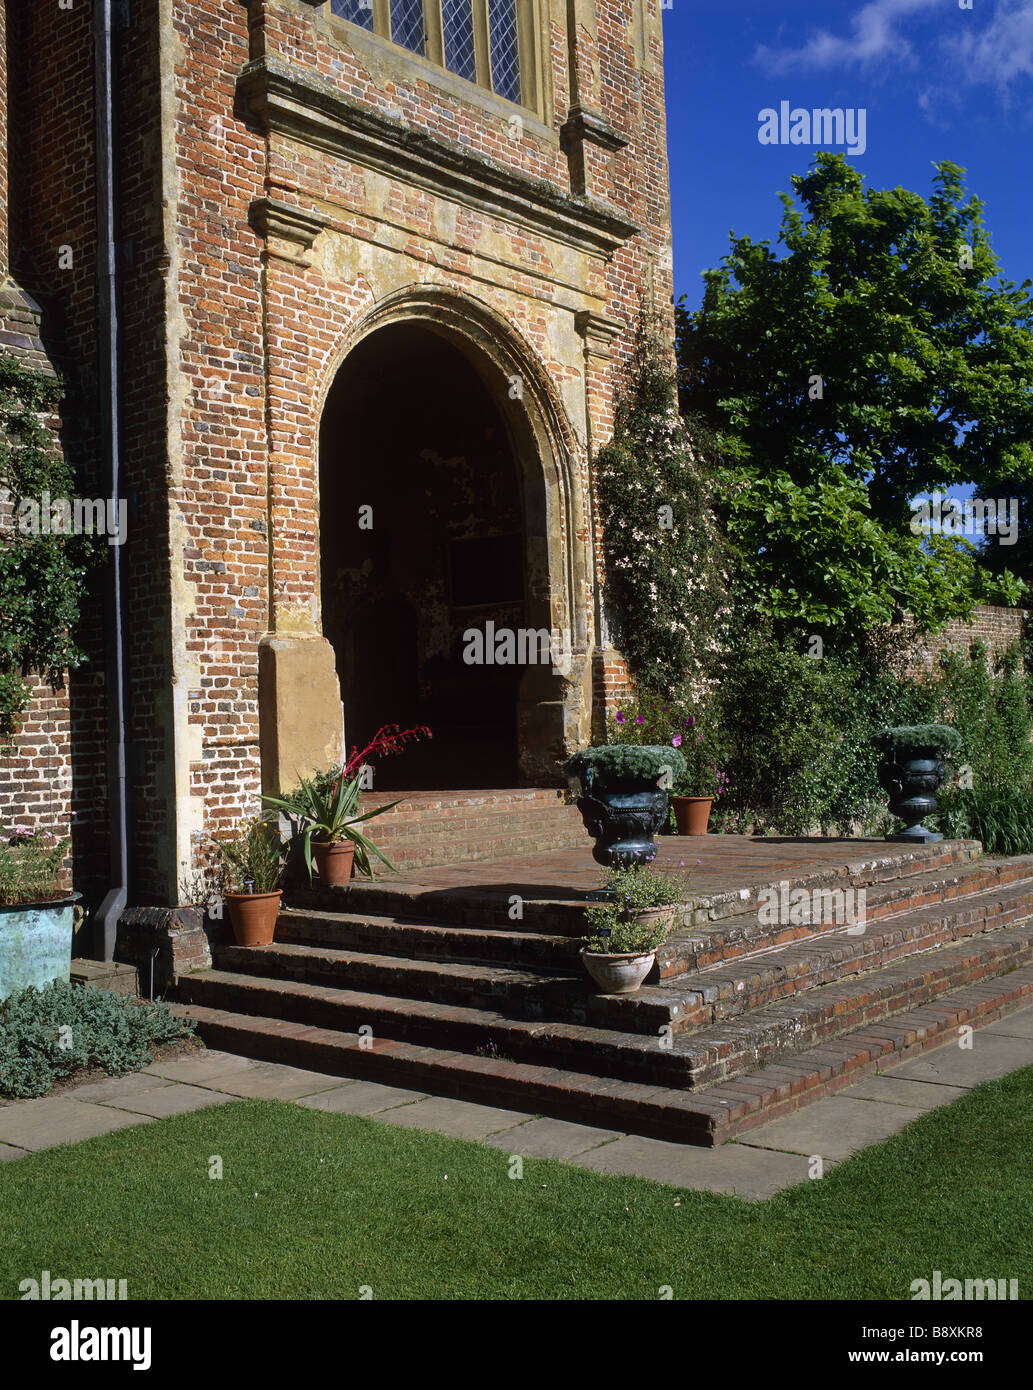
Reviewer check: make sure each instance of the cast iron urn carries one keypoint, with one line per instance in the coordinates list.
(911, 770)
(622, 818)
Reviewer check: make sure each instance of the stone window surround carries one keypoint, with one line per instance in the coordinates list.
(535, 97)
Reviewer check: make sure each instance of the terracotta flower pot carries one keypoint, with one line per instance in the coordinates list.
(619, 974)
(334, 861)
(253, 917)
(692, 813)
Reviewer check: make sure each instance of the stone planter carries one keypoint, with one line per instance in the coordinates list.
(619, 974)
(36, 943)
(691, 814)
(911, 777)
(622, 819)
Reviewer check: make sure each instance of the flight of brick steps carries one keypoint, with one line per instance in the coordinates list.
(448, 827)
(438, 990)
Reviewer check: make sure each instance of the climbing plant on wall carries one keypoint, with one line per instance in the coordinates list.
(665, 594)
(41, 573)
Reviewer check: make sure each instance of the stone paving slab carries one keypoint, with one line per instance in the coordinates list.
(833, 1128)
(1018, 1025)
(460, 1119)
(8, 1151)
(41, 1124)
(203, 1068)
(898, 1091)
(272, 1081)
(732, 1169)
(163, 1101)
(549, 1138)
(991, 1055)
(361, 1098)
(118, 1087)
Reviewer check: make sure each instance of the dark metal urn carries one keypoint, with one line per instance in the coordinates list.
(622, 819)
(912, 776)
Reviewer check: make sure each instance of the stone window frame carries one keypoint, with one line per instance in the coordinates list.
(528, 17)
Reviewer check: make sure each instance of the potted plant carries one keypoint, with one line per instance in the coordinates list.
(251, 861)
(623, 797)
(329, 827)
(911, 768)
(324, 811)
(696, 789)
(627, 928)
(36, 915)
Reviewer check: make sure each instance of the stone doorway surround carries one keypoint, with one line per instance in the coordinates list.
(300, 704)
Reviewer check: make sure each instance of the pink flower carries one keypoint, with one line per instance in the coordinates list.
(676, 741)
(620, 716)
(641, 719)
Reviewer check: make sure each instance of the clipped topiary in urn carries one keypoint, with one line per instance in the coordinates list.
(912, 767)
(623, 797)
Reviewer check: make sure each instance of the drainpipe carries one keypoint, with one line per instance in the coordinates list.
(107, 370)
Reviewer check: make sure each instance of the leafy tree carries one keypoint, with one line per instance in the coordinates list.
(879, 357)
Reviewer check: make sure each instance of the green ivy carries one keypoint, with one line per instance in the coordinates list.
(42, 577)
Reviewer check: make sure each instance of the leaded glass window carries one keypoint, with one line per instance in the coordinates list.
(457, 28)
(489, 42)
(505, 48)
(407, 25)
(356, 11)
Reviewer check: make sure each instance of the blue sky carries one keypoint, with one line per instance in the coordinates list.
(937, 81)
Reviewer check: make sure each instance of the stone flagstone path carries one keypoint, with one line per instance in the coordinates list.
(764, 1161)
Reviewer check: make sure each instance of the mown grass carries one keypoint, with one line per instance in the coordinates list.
(314, 1205)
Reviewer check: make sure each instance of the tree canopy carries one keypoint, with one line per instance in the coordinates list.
(878, 356)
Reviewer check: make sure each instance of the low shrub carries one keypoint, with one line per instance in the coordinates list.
(1002, 820)
(49, 1033)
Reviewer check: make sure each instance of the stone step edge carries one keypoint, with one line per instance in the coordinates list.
(705, 1118)
(761, 972)
(404, 899)
(935, 918)
(700, 1050)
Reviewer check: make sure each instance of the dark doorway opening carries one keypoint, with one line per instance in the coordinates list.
(422, 541)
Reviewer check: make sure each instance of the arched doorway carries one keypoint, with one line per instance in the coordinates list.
(427, 522)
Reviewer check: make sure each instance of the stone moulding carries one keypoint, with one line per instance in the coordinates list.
(270, 217)
(307, 108)
(584, 124)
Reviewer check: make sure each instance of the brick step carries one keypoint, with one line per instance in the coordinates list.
(465, 848)
(448, 828)
(703, 1118)
(353, 956)
(441, 981)
(489, 906)
(745, 935)
(423, 940)
(717, 1052)
(730, 989)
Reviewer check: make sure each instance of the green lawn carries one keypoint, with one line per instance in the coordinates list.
(314, 1205)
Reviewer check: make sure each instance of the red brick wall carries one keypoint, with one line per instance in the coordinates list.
(231, 348)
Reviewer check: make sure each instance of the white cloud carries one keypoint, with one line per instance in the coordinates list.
(1000, 52)
(875, 36)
